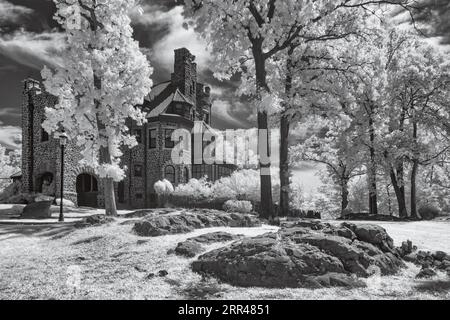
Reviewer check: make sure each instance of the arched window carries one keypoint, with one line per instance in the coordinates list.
(169, 173)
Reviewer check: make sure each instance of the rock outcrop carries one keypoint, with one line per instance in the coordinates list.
(429, 261)
(304, 254)
(183, 222)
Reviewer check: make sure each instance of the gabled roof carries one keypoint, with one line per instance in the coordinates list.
(161, 96)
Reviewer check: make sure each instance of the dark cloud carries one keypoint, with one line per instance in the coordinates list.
(30, 39)
(436, 15)
(38, 16)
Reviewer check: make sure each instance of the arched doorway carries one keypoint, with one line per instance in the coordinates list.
(87, 190)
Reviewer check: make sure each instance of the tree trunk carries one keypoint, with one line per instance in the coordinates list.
(414, 169)
(389, 200)
(284, 166)
(372, 174)
(105, 158)
(266, 210)
(399, 193)
(110, 201)
(344, 195)
(284, 142)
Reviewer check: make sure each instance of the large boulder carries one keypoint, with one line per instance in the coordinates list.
(302, 254)
(37, 210)
(157, 225)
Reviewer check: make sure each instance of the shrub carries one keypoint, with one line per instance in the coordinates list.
(195, 189)
(428, 212)
(241, 206)
(163, 187)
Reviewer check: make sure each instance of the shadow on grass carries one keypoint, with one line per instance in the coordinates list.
(434, 286)
(53, 231)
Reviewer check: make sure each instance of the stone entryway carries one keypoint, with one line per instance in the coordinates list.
(87, 190)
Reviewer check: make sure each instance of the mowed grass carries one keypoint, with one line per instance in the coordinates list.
(110, 262)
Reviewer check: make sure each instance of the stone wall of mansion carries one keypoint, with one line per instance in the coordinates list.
(171, 105)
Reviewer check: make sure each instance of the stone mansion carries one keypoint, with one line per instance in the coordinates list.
(173, 104)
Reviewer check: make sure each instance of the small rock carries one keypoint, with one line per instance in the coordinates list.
(437, 263)
(406, 248)
(188, 248)
(426, 273)
(439, 255)
(412, 257)
(137, 268)
(80, 258)
(162, 273)
(150, 275)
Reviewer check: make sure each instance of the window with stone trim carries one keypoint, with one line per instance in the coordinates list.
(152, 138)
(168, 143)
(169, 173)
(138, 170)
(201, 170)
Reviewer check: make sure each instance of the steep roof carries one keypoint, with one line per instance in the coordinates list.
(161, 96)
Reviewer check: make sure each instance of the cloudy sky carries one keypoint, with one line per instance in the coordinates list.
(30, 39)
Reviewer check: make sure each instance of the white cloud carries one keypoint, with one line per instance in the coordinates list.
(178, 36)
(223, 110)
(10, 136)
(11, 112)
(33, 50)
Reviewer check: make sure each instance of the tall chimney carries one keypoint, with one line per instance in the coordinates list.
(184, 75)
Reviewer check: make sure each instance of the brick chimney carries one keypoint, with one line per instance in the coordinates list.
(185, 73)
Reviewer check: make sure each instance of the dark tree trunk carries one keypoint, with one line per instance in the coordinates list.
(399, 191)
(284, 142)
(344, 195)
(284, 166)
(414, 169)
(266, 210)
(397, 176)
(372, 174)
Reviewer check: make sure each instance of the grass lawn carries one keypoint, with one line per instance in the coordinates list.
(110, 262)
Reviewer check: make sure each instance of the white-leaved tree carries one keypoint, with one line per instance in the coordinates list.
(248, 37)
(103, 78)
